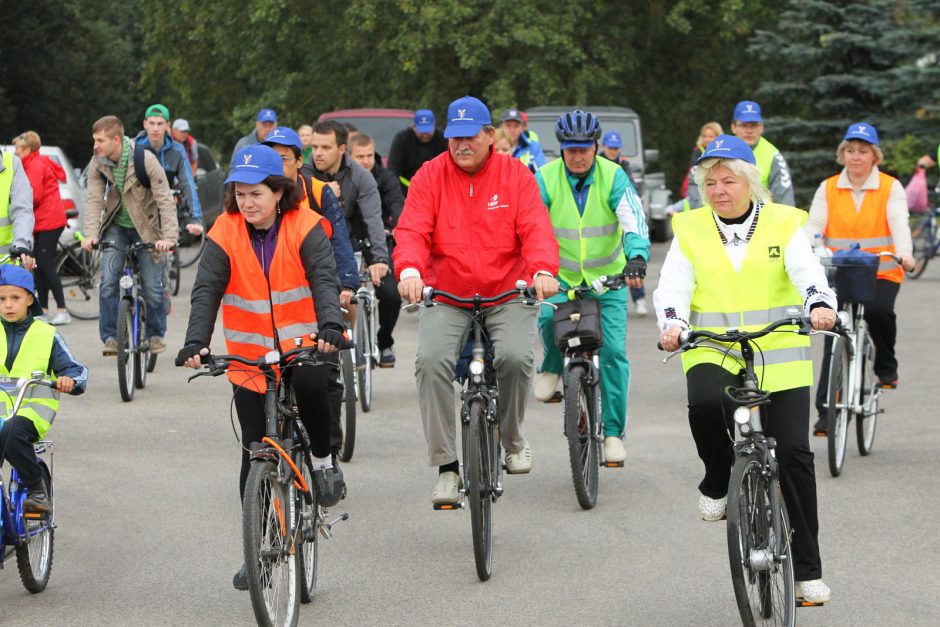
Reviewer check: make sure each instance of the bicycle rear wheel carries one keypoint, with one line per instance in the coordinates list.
(176, 272)
(867, 420)
(142, 357)
(761, 571)
(347, 360)
(364, 339)
(309, 538)
(190, 248)
(78, 271)
(125, 350)
(582, 433)
(839, 399)
(34, 557)
(922, 237)
(478, 474)
(270, 559)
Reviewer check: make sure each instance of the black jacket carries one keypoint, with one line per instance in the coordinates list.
(407, 153)
(393, 201)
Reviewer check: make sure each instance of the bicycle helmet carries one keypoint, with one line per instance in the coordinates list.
(577, 129)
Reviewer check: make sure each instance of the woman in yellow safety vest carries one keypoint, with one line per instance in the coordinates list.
(742, 261)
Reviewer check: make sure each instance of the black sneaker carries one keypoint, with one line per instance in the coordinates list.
(821, 426)
(240, 580)
(37, 501)
(889, 382)
(387, 358)
(330, 486)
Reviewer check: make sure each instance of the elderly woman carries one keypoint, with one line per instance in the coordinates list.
(741, 253)
(862, 204)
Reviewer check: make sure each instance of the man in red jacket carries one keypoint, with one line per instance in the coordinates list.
(473, 223)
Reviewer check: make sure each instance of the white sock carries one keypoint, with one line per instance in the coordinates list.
(322, 462)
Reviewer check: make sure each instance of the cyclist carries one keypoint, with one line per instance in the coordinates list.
(26, 346)
(748, 125)
(473, 223)
(182, 136)
(264, 124)
(128, 213)
(864, 205)
(270, 267)
(173, 158)
(16, 210)
(587, 194)
(524, 147)
(411, 147)
(362, 151)
(743, 255)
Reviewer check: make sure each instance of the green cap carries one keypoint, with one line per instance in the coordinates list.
(158, 109)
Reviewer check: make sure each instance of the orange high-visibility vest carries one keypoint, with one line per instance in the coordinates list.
(260, 314)
(316, 190)
(868, 226)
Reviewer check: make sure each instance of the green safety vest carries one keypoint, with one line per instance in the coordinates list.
(40, 403)
(748, 299)
(764, 153)
(590, 245)
(6, 188)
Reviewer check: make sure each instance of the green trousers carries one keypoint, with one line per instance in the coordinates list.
(615, 367)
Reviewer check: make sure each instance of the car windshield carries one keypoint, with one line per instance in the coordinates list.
(381, 129)
(546, 133)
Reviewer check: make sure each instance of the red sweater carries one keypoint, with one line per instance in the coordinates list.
(44, 175)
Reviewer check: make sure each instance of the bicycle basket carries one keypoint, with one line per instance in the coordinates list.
(856, 272)
(578, 325)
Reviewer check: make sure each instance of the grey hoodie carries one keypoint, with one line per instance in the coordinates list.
(21, 206)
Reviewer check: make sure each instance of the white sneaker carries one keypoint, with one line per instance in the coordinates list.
(613, 449)
(545, 384)
(814, 591)
(712, 509)
(521, 462)
(60, 318)
(447, 492)
(641, 309)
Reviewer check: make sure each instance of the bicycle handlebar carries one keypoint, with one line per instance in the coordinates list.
(429, 294)
(22, 385)
(217, 364)
(135, 246)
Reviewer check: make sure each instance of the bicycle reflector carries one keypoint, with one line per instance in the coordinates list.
(742, 415)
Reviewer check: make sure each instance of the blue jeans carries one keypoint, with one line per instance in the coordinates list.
(151, 277)
(636, 293)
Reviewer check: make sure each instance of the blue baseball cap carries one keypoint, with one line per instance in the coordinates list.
(253, 164)
(728, 147)
(747, 111)
(862, 131)
(267, 115)
(18, 276)
(465, 117)
(284, 136)
(424, 121)
(612, 140)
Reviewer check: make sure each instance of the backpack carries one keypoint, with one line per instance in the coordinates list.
(140, 170)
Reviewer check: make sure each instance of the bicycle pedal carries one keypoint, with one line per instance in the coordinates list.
(612, 464)
(447, 506)
(35, 515)
(801, 602)
(556, 397)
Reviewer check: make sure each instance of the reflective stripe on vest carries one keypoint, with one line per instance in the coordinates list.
(867, 225)
(764, 153)
(589, 245)
(747, 299)
(6, 188)
(262, 314)
(40, 403)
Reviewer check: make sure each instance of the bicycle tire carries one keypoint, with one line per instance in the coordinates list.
(581, 431)
(347, 360)
(364, 341)
(309, 534)
(125, 350)
(271, 564)
(765, 594)
(142, 357)
(867, 421)
(78, 271)
(34, 558)
(176, 273)
(477, 478)
(922, 237)
(839, 394)
(190, 248)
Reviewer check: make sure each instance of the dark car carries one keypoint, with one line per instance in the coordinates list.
(210, 183)
(380, 124)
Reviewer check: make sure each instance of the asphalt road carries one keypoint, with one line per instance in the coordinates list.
(149, 516)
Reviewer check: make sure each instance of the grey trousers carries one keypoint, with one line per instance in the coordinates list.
(442, 332)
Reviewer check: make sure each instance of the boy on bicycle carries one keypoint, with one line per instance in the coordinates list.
(28, 345)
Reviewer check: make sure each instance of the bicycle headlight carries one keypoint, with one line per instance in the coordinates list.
(742, 415)
(476, 368)
(126, 282)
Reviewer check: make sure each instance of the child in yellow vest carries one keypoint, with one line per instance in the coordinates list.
(28, 345)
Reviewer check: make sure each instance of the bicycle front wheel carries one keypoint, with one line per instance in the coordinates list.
(364, 339)
(309, 538)
(759, 546)
(478, 473)
(176, 272)
(270, 559)
(840, 398)
(34, 557)
(347, 361)
(78, 271)
(125, 350)
(582, 433)
(869, 395)
(142, 356)
(922, 237)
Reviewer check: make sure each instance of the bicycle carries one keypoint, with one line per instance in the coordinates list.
(854, 390)
(479, 417)
(282, 518)
(349, 378)
(365, 331)
(30, 535)
(577, 333)
(758, 529)
(134, 359)
(79, 271)
(190, 247)
(925, 240)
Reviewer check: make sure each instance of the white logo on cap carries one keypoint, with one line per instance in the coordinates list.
(247, 159)
(718, 143)
(860, 129)
(460, 113)
(750, 108)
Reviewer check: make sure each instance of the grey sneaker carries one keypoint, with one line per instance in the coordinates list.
(157, 345)
(110, 347)
(240, 580)
(521, 462)
(60, 318)
(387, 358)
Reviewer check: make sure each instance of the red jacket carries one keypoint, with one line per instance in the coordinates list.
(44, 175)
(475, 234)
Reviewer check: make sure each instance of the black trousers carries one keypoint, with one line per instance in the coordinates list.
(883, 326)
(710, 419)
(16, 441)
(44, 250)
(310, 385)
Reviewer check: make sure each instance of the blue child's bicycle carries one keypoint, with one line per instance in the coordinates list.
(29, 535)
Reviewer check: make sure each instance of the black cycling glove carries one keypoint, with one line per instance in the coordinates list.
(332, 336)
(190, 350)
(636, 269)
